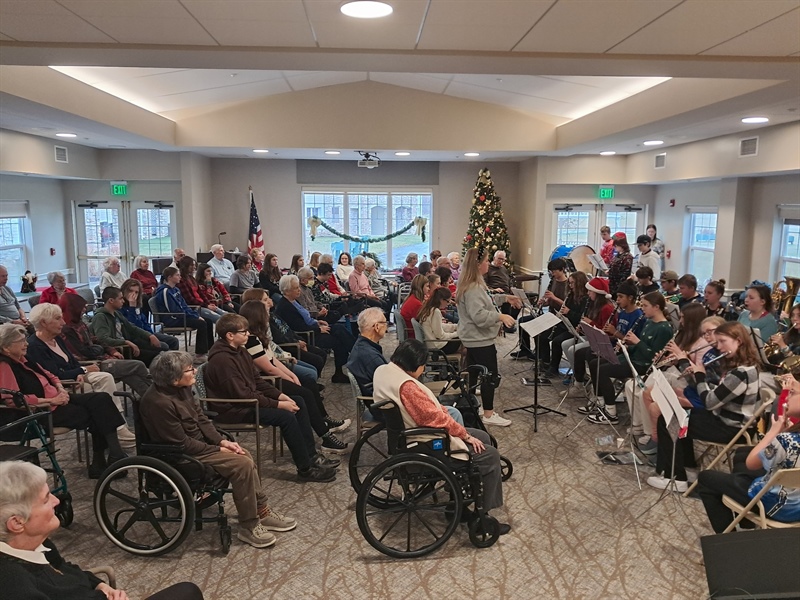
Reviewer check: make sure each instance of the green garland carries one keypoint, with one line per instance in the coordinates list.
(370, 240)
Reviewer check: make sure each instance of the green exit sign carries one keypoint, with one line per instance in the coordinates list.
(119, 188)
(605, 192)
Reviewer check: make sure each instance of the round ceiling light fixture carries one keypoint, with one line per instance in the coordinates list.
(653, 142)
(366, 9)
(755, 120)
(607, 153)
(471, 154)
(67, 135)
(402, 153)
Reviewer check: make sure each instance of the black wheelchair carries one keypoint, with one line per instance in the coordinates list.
(23, 425)
(411, 503)
(147, 504)
(372, 448)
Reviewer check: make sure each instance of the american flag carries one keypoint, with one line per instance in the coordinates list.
(255, 239)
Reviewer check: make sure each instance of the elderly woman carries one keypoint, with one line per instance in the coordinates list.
(257, 256)
(58, 287)
(222, 267)
(171, 415)
(335, 336)
(112, 276)
(243, 277)
(410, 270)
(399, 381)
(47, 350)
(317, 310)
(30, 564)
(95, 411)
(144, 275)
(133, 310)
(455, 264)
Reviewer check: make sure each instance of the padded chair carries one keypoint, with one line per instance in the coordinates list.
(789, 478)
(361, 402)
(183, 329)
(400, 326)
(746, 432)
(88, 295)
(34, 300)
(253, 426)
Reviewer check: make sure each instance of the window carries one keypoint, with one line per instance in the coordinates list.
(369, 214)
(572, 227)
(153, 227)
(626, 222)
(702, 240)
(13, 246)
(790, 248)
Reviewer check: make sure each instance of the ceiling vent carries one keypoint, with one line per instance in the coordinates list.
(748, 147)
(660, 161)
(61, 154)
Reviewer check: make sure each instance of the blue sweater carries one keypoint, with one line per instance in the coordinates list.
(136, 317)
(169, 300)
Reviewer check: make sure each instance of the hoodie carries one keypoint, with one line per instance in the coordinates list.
(112, 329)
(169, 300)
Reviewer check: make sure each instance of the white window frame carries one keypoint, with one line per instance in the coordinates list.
(783, 259)
(691, 249)
(344, 211)
(19, 211)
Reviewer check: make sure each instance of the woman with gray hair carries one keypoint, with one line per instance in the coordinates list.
(30, 564)
(58, 287)
(112, 275)
(94, 411)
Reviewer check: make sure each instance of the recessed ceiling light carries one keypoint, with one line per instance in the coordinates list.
(332, 152)
(607, 153)
(66, 135)
(402, 153)
(260, 151)
(366, 9)
(653, 142)
(471, 154)
(752, 120)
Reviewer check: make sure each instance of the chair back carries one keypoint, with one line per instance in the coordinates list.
(400, 326)
(200, 382)
(87, 295)
(418, 333)
(98, 294)
(151, 303)
(354, 387)
(34, 300)
(403, 291)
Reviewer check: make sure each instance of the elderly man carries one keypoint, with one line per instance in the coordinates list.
(455, 264)
(498, 280)
(367, 354)
(221, 266)
(177, 255)
(171, 415)
(10, 311)
(335, 336)
(112, 329)
(361, 288)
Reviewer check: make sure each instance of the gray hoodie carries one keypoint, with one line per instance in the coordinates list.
(478, 319)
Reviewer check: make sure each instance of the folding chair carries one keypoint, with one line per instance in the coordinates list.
(184, 329)
(436, 354)
(361, 402)
(788, 478)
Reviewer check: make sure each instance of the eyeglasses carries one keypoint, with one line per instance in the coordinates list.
(709, 332)
(384, 322)
(242, 331)
(191, 369)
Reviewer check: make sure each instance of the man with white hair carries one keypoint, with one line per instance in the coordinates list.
(367, 354)
(177, 254)
(498, 280)
(221, 266)
(455, 264)
(10, 311)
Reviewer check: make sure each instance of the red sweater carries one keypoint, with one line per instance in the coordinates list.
(50, 296)
(410, 310)
(147, 279)
(191, 292)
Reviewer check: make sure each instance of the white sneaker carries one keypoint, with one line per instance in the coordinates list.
(480, 411)
(662, 483)
(496, 419)
(259, 537)
(125, 435)
(691, 475)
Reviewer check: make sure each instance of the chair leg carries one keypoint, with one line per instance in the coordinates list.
(86, 441)
(274, 444)
(258, 451)
(78, 439)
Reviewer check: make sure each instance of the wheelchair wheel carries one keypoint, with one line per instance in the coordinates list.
(484, 531)
(225, 536)
(64, 510)
(370, 450)
(506, 468)
(418, 510)
(150, 512)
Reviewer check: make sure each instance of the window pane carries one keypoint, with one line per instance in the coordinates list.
(703, 230)
(790, 245)
(153, 228)
(329, 208)
(701, 265)
(573, 228)
(624, 221)
(102, 231)
(11, 232)
(405, 208)
(368, 218)
(13, 259)
(791, 269)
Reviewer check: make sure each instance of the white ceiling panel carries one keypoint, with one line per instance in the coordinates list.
(697, 25)
(45, 20)
(317, 79)
(254, 23)
(510, 100)
(497, 25)
(397, 31)
(224, 95)
(779, 37)
(593, 27)
(415, 81)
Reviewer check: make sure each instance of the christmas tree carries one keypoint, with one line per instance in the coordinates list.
(487, 229)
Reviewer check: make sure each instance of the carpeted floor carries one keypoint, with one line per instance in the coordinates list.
(578, 528)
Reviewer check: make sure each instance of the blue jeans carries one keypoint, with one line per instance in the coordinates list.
(306, 373)
(211, 315)
(168, 342)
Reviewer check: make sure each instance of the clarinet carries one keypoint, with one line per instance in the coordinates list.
(553, 330)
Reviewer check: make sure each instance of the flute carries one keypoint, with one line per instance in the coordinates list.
(715, 359)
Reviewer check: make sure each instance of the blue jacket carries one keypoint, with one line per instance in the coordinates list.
(169, 300)
(136, 317)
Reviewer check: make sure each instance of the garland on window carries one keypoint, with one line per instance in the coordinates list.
(419, 222)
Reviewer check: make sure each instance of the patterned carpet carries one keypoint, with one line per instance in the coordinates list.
(578, 528)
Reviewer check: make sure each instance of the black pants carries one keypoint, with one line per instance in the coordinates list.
(94, 411)
(179, 591)
(560, 334)
(604, 386)
(313, 402)
(451, 347)
(204, 332)
(340, 340)
(316, 357)
(485, 356)
(507, 309)
(712, 485)
(582, 356)
(703, 425)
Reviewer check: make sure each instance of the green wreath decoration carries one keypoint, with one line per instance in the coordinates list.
(419, 222)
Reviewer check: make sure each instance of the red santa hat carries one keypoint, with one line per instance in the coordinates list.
(598, 286)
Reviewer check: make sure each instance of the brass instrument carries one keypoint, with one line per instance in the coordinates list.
(772, 350)
(783, 300)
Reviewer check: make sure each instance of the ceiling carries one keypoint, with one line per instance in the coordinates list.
(564, 61)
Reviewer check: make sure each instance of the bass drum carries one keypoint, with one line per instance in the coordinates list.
(577, 257)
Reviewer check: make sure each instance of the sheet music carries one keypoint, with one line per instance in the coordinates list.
(598, 262)
(540, 324)
(568, 325)
(667, 401)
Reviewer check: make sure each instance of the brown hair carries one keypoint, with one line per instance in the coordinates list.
(764, 294)
(294, 267)
(418, 286)
(693, 315)
(258, 320)
(656, 299)
(127, 286)
(438, 296)
(313, 262)
(605, 229)
(718, 285)
(581, 279)
(273, 273)
(254, 294)
(230, 323)
(747, 354)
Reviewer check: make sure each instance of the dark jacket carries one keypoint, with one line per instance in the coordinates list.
(365, 357)
(104, 327)
(169, 300)
(173, 416)
(231, 373)
(137, 317)
(287, 311)
(40, 353)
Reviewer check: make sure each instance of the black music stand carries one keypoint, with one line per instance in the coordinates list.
(539, 325)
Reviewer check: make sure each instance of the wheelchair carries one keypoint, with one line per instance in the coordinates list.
(411, 503)
(372, 447)
(146, 504)
(34, 426)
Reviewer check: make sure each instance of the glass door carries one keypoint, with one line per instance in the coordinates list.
(627, 218)
(123, 229)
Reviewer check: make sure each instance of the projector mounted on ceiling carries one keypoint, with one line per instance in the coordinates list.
(369, 160)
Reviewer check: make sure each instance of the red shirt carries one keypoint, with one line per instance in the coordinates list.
(410, 310)
(50, 296)
(191, 292)
(147, 279)
(409, 273)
